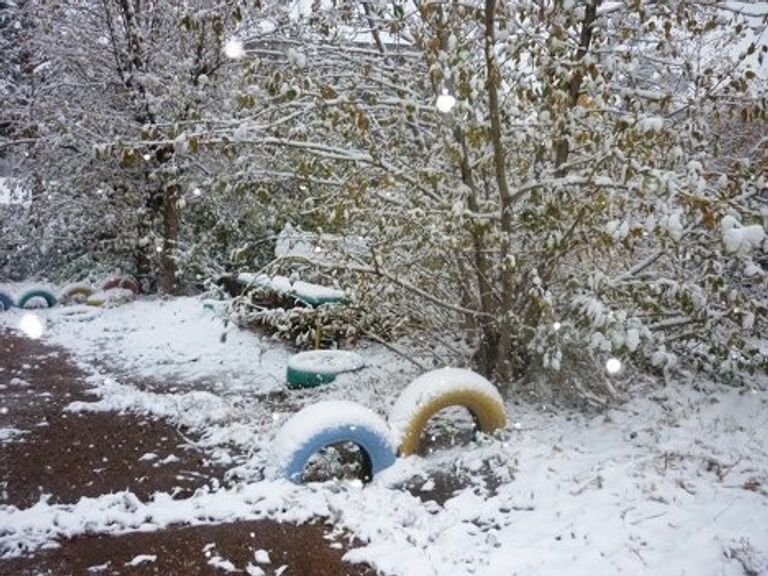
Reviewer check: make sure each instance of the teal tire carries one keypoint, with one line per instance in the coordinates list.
(304, 379)
(312, 369)
(49, 298)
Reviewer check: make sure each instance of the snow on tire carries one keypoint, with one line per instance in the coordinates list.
(310, 369)
(438, 389)
(39, 293)
(6, 302)
(111, 297)
(74, 293)
(125, 282)
(328, 423)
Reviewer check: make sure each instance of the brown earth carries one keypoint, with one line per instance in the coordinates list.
(69, 455)
(303, 550)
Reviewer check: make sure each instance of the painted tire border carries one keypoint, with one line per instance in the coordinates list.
(70, 293)
(6, 301)
(126, 282)
(303, 377)
(486, 407)
(48, 296)
(370, 436)
(298, 379)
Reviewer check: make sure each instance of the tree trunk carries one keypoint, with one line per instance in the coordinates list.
(168, 258)
(488, 341)
(492, 80)
(141, 256)
(562, 146)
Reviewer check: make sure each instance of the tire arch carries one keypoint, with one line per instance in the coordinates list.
(46, 295)
(329, 423)
(6, 301)
(439, 389)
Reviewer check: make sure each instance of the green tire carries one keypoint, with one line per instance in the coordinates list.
(301, 379)
(49, 298)
(317, 367)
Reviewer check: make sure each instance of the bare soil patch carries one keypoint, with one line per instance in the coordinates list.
(302, 550)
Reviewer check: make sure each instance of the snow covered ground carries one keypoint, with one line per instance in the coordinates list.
(674, 482)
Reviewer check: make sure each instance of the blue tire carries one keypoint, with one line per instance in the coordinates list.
(49, 298)
(6, 302)
(322, 425)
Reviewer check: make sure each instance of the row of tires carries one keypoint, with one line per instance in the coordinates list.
(70, 294)
(330, 423)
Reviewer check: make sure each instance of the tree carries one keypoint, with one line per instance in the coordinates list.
(114, 78)
(570, 207)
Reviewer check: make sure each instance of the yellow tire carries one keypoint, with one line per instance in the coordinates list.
(439, 389)
(72, 293)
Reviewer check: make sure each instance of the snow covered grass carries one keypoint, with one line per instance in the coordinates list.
(673, 482)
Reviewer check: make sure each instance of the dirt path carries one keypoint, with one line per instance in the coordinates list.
(47, 451)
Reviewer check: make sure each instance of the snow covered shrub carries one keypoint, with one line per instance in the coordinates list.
(324, 326)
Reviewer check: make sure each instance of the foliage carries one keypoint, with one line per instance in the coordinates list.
(581, 180)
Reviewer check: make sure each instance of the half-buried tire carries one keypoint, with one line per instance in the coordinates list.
(27, 297)
(125, 282)
(327, 424)
(75, 293)
(6, 302)
(111, 298)
(438, 389)
(310, 369)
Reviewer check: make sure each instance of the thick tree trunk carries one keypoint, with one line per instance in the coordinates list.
(492, 81)
(171, 222)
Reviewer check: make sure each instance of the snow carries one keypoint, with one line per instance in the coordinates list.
(322, 416)
(222, 564)
(279, 284)
(142, 559)
(110, 298)
(738, 239)
(234, 49)
(9, 434)
(432, 384)
(32, 325)
(312, 293)
(650, 124)
(672, 223)
(249, 278)
(317, 293)
(670, 483)
(166, 339)
(261, 557)
(293, 242)
(12, 192)
(326, 361)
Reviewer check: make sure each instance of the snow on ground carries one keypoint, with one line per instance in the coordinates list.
(176, 339)
(675, 482)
